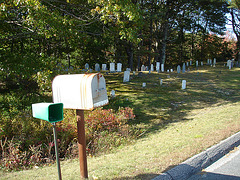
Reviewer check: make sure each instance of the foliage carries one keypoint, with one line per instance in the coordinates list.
(28, 142)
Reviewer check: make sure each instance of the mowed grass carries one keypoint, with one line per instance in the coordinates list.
(175, 124)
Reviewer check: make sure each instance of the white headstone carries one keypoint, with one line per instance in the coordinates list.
(104, 67)
(119, 67)
(158, 66)
(178, 69)
(229, 62)
(144, 85)
(142, 68)
(171, 70)
(184, 82)
(183, 68)
(190, 62)
(214, 61)
(112, 67)
(187, 64)
(126, 77)
(112, 94)
(97, 67)
(161, 81)
(196, 63)
(162, 67)
(201, 63)
(168, 70)
(152, 67)
(86, 66)
(210, 61)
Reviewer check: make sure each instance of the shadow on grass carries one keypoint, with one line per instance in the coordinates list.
(156, 106)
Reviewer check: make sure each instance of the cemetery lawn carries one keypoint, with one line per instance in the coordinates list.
(173, 124)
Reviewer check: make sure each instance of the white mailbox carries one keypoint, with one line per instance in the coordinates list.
(80, 91)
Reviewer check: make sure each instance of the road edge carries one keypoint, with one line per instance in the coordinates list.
(200, 161)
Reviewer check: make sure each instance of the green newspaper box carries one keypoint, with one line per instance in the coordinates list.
(51, 112)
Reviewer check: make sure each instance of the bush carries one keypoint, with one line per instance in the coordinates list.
(27, 141)
(106, 128)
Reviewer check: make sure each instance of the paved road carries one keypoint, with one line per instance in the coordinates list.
(226, 168)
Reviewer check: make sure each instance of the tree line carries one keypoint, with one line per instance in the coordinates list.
(41, 34)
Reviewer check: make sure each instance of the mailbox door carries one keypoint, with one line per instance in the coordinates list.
(99, 91)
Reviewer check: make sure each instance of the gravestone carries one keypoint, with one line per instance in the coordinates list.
(187, 64)
(214, 61)
(229, 64)
(152, 67)
(190, 62)
(112, 94)
(146, 68)
(144, 85)
(158, 66)
(201, 63)
(171, 70)
(210, 61)
(160, 81)
(97, 67)
(112, 67)
(126, 76)
(86, 66)
(196, 63)
(104, 67)
(119, 67)
(162, 67)
(128, 69)
(183, 68)
(168, 70)
(178, 69)
(184, 82)
(142, 68)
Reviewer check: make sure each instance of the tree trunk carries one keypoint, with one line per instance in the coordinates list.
(234, 27)
(150, 39)
(164, 44)
(165, 26)
(129, 50)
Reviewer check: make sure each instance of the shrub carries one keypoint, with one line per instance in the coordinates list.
(106, 128)
(27, 141)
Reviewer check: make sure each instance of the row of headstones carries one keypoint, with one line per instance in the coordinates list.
(126, 77)
(184, 84)
(104, 67)
(159, 67)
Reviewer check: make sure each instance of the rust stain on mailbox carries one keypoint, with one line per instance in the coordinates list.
(80, 91)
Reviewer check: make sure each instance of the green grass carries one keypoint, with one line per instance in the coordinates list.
(175, 124)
